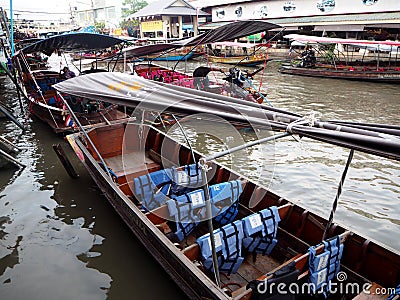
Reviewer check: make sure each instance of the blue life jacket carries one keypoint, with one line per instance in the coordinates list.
(395, 293)
(189, 209)
(155, 188)
(151, 189)
(324, 267)
(260, 231)
(224, 201)
(228, 244)
(190, 177)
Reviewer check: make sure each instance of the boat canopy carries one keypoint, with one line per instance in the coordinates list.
(72, 41)
(135, 91)
(226, 32)
(327, 40)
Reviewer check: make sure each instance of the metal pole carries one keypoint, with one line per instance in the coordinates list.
(203, 167)
(249, 144)
(339, 191)
(11, 28)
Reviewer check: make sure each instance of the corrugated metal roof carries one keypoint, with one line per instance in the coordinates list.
(166, 8)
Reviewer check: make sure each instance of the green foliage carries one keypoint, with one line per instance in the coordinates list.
(329, 53)
(99, 26)
(129, 23)
(133, 6)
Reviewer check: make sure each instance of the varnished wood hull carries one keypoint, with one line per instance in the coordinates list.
(348, 74)
(237, 60)
(362, 260)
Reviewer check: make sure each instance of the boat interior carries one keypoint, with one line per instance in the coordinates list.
(157, 73)
(54, 113)
(148, 151)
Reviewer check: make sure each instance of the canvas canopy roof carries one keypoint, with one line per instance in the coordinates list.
(226, 32)
(327, 40)
(72, 41)
(135, 91)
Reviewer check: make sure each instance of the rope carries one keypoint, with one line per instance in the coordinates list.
(339, 191)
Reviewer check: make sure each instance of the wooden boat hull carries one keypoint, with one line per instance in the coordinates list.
(56, 117)
(362, 260)
(238, 60)
(191, 280)
(348, 74)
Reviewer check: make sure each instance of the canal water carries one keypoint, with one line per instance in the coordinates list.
(60, 239)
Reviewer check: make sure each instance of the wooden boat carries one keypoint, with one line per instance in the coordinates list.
(136, 166)
(237, 54)
(384, 67)
(42, 99)
(174, 56)
(160, 73)
(385, 75)
(244, 60)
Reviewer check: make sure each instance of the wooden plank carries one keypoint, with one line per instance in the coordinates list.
(374, 293)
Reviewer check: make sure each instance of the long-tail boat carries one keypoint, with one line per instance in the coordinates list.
(237, 54)
(217, 233)
(325, 59)
(36, 86)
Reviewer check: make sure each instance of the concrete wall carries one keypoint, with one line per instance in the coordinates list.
(237, 10)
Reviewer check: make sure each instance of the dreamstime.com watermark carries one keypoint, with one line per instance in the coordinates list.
(340, 286)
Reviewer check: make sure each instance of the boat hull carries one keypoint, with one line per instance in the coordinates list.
(56, 117)
(172, 57)
(362, 259)
(191, 280)
(348, 74)
(238, 60)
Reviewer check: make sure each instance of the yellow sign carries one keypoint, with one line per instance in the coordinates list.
(152, 26)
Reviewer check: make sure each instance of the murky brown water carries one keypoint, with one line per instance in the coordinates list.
(59, 238)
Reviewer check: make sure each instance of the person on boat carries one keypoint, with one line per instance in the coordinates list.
(67, 73)
(200, 77)
(236, 76)
(307, 57)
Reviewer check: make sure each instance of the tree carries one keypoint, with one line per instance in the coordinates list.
(133, 6)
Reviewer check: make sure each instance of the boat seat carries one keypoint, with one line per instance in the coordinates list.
(308, 265)
(268, 289)
(228, 241)
(375, 293)
(158, 216)
(260, 231)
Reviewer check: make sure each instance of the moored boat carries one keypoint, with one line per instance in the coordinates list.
(229, 84)
(329, 59)
(157, 186)
(237, 54)
(37, 85)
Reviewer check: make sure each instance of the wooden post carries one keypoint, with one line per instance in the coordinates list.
(65, 161)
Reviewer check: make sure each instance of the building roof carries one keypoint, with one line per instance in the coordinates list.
(168, 8)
